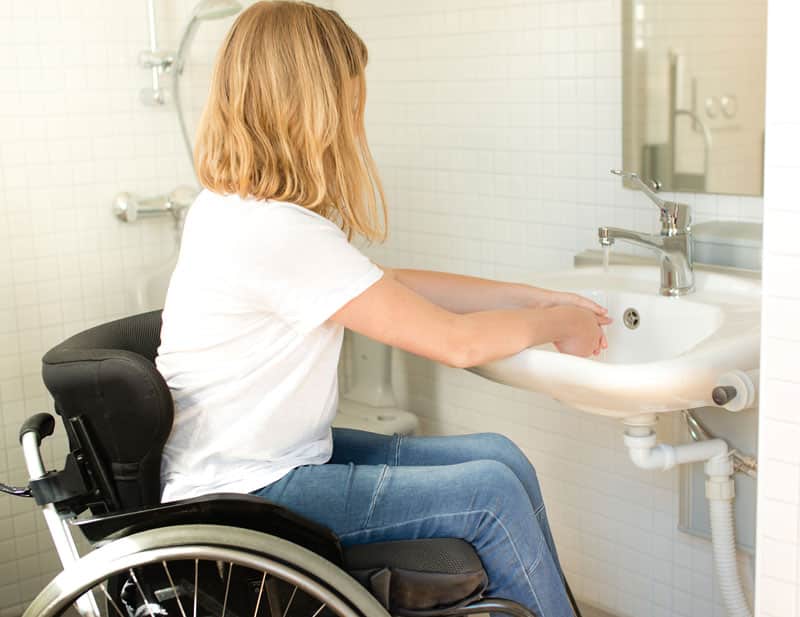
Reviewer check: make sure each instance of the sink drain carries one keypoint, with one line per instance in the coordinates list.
(631, 318)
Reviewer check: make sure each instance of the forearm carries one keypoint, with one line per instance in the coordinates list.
(465, 294)
(488, 335)
(393, 314)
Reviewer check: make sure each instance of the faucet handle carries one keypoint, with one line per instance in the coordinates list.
(674, 216)
(647, 189)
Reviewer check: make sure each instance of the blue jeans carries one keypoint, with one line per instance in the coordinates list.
(481, 488)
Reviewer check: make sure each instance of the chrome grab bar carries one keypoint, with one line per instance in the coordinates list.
(128, 207)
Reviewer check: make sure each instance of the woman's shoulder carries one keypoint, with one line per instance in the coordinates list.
(259, 213)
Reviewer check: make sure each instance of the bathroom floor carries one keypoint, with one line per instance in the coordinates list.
(586, 611)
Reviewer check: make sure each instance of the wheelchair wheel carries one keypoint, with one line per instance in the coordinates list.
(205, 570)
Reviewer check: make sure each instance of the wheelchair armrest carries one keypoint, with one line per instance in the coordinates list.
(231, 509)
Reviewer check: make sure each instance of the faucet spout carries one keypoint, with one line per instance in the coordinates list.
(609, 235)
(674, 252)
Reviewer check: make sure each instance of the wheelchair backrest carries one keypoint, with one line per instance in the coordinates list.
(116, 408)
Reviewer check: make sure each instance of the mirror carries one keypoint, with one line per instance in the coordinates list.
(694, 74)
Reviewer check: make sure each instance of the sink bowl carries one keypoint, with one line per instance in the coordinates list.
(664, 354)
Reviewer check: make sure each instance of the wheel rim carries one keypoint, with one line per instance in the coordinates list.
(202, 579)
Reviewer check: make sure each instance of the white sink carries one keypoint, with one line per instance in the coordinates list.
(671, 361)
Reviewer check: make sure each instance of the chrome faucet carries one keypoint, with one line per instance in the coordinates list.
(673, 244)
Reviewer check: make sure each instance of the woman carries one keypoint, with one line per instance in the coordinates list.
(266, 283)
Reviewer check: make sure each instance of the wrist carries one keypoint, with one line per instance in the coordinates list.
(527, 296)
(558, 320)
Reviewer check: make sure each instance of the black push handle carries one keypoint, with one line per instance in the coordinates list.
(43, 424)
(722, 395)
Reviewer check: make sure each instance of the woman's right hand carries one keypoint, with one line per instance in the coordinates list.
(581, 333)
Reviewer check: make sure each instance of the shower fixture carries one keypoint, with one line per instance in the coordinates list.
(160, 61)
(205, 10)
(128, 207)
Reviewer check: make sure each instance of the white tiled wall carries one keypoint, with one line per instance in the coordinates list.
(778, 573)
(493, 122)
(72, 135)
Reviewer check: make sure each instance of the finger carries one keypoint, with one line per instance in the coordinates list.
(590, 304)
(567, 297)
(604, 320)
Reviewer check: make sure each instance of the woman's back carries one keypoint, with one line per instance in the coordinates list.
(247, 350)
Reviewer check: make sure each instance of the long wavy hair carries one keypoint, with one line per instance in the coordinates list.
(284, 118)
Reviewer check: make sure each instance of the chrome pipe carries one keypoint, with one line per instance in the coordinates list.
(698, 431)
(151, 20)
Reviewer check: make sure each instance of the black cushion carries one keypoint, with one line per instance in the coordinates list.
(112, 399)
(418, 575)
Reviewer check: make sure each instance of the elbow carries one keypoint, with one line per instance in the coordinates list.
(459, 360)
(465, 356)
(462, 349)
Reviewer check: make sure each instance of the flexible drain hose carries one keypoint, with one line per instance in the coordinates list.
(724, 547)
(640, 438)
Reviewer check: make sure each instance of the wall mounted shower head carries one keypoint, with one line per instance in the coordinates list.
(215, 9)
(206, 10)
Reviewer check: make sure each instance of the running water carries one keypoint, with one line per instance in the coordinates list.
(606, 256)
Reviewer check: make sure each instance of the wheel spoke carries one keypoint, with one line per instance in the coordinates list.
(291, 597)
(111, 600)
(227, 588)
(174, 589)
(196, 566)
(260, 593)
(319, 610)
(141, 592)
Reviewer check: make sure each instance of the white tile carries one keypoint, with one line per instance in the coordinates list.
(778, 480)
(776, 598)
(778, 559)
(777, 520)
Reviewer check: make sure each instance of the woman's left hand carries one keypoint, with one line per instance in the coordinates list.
(545, 298)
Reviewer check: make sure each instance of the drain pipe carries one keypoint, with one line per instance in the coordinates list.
(646, 453)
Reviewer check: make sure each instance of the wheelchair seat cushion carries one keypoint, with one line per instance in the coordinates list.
(418, 575)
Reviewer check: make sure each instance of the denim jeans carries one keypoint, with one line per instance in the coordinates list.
(481, 488)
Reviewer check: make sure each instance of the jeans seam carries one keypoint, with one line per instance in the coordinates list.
(526, 571)
(375, 495)
(398, 439)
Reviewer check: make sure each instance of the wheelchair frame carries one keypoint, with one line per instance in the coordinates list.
(102, 562)
(110, 397)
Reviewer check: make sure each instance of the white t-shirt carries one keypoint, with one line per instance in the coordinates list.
(246, 346)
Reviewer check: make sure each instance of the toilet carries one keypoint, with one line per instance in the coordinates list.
(369, 403)
(383, 420)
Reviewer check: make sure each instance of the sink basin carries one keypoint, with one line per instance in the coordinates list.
(664, 354)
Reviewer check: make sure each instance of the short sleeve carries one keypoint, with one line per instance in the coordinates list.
(305, 268)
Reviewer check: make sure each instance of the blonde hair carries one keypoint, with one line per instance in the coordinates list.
(284, 118)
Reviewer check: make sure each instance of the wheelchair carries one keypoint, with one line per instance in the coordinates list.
(226, 555)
